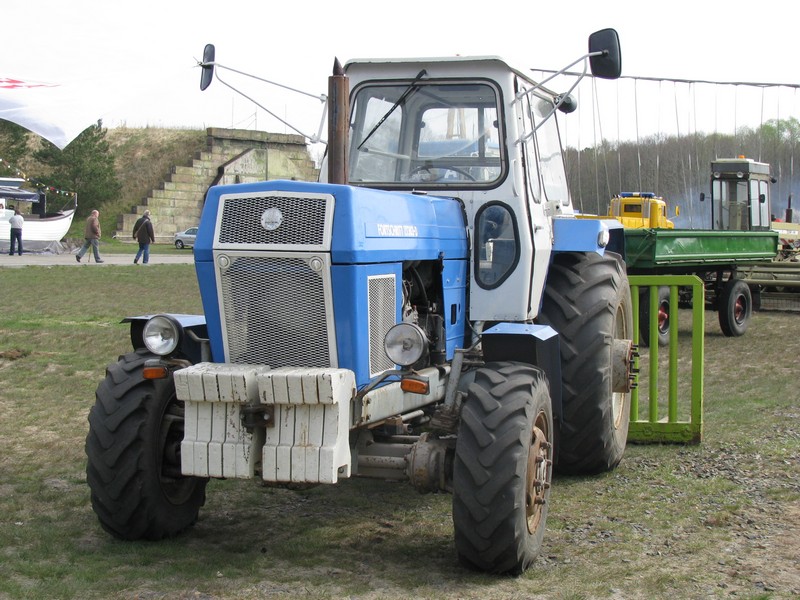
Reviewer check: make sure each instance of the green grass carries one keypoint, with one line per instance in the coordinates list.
(713, 520)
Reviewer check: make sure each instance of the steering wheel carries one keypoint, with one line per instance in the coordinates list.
(444, 168)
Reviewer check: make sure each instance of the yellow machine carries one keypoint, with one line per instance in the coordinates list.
(640, 210)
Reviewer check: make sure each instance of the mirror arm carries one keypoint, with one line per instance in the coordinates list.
(321, 97)
(523, 93)
(560, 99)
(317, 138)
(313, 138)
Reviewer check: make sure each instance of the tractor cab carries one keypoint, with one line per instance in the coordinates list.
(740, 195)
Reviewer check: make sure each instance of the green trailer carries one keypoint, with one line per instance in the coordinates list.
(717, 257)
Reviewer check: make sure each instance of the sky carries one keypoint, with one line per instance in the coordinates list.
(135, 63)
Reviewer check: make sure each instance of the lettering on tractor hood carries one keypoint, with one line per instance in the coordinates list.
(387, 230)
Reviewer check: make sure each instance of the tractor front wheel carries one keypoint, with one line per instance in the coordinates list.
(503, 468)
(133, 450)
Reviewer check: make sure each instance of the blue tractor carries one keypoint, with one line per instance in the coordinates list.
(429, 311)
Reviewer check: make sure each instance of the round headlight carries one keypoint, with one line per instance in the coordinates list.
(161, 335)
(405, 344)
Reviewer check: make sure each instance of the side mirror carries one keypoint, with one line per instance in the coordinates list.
(605, 57)
(702, 196)
(207, 66)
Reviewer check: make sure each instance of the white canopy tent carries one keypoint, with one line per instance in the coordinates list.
(57, 112)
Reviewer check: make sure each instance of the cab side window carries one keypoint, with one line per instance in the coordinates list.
(496, 245)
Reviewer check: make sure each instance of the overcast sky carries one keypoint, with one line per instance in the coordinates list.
(134, 63)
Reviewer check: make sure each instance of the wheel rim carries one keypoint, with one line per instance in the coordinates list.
(618, 399)
(175, 487)
(540, 470)
(663, 317)
(740, 309)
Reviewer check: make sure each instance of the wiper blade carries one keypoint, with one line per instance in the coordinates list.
(408, 91)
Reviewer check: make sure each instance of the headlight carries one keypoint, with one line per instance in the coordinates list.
(405, 344)
(162, 335)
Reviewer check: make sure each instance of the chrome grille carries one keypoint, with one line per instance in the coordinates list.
(275, 312)
(382, 310)
(303, 220)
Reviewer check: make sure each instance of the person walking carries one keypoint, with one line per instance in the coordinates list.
(91, 235)
(16, 222)
(143, 233)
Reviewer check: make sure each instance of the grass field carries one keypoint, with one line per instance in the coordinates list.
(715, 520)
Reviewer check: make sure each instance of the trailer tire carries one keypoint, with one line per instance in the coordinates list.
(503, 468)
(587, 300)
(133, 450)
(663, 317)
(735, 308)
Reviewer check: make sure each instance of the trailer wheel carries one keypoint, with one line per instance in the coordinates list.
(133, 450)
(663, 317)
(588, 302)
(503, 468)
(735, 308)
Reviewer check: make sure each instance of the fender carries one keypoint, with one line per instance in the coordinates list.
(191, 345)
(588, 235)
(537, 345)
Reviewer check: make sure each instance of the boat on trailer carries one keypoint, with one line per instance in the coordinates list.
(42, 230)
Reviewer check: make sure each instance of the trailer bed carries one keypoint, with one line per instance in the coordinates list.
(682, 250)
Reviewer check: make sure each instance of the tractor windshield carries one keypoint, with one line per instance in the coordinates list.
(426, 135)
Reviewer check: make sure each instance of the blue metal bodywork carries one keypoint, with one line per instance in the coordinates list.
(582, 235)
(374, 233)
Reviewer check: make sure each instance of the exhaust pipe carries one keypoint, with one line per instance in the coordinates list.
(338, 124)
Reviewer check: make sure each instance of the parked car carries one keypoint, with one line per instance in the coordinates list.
(182, 239)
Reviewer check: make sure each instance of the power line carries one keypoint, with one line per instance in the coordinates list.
(639, 78)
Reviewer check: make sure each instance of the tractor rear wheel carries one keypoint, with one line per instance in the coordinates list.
(735, 308)
(588, 302)
(133, 450)
(503, 468)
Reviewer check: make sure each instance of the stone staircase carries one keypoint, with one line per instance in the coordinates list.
(232, 156)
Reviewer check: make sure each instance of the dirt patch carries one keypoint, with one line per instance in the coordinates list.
(764, 553)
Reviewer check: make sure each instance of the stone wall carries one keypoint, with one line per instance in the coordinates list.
(232, 156)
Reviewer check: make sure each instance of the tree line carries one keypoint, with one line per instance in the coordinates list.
(86, 166)
(678, 168)
(675, 167)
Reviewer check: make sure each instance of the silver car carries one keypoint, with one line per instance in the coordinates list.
(182, 239)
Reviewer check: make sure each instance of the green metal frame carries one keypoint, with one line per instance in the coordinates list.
(668, 428)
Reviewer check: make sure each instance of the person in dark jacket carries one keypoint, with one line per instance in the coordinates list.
(143, 233)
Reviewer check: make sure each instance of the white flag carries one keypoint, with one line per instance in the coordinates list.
(54, 111)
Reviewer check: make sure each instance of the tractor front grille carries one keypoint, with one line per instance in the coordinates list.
(381, 308)
(303, 220)
(275, 311)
